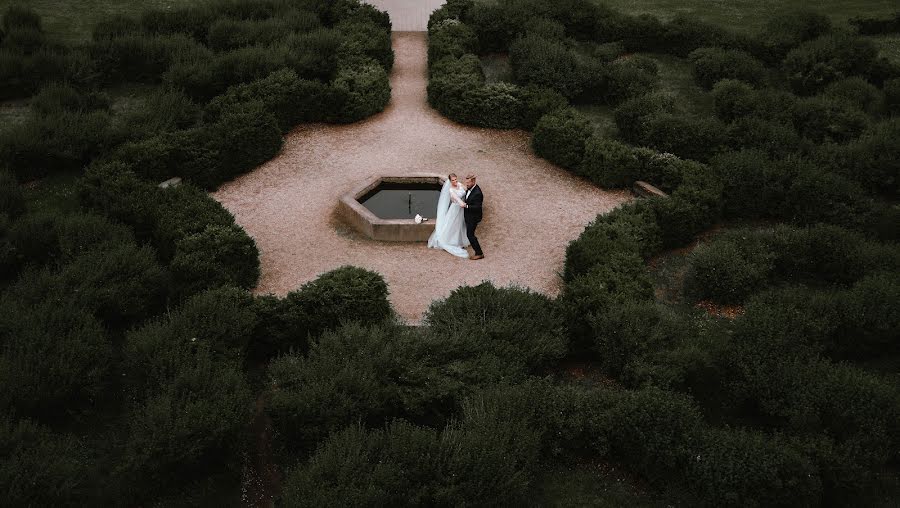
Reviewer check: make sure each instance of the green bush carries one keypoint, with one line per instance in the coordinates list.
(123, 285)
(872, 159)
(626, 78)
(180, 425)
(824, 119)
(162, 110)
(609, 163)
(182, 211)
(820, 196)
(18, 16)
(817, 63)
(12, 202)
(560, 137)
(689, 137)
(539, 102)
(317, 394)
(367, 89)
(632, 115)
(22, 75)
(291, 99)
(314, 55)
(143, 58)
(726, 272)
(55, 98)
(857, 92)
(715, 64)
(223, 318)
(55, 354)
(548, 64)
(754, 185)
(892, 96)
(450, 38)
(82, 232)
(66, 141)
(114, 190)
(216, 256)
(497, 106)
(451, 79)
(484, 334)
(787, 29)
(191, 20)
(733, 99)
(204, 77)
(735, 467)
(227, 34)
(774, 138)
(363, 41)
(243, 139)
(40, 467)
(115, 26)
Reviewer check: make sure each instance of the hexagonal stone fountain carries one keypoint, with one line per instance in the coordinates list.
(384, 208)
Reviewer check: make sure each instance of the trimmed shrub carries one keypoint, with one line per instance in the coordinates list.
(227, 34)
(787, 29)
(825, 119)
(291, 99)
(12, 202)
(733, 99)
(857, 92)
(79, 233)
(817, 63)
(55, 354)
(223, 318)
(626, 78)
(19, 16)
(538, 102)
(243, 139)
(344, 294)
(497, 25)
(182, 211)
(40, 467)
(162, 110)
(450, 38)
(892, 96)
(115, 26)
(217, 256)
(180, 426)
(633, 114)
(714, 64)
(314, 55)
(754, 185)
(496, 105)
(820, 196)
(488, 334)
(875, 25)
(114, 190)
(23, 75)
(560, 137)
(367, 90)
(735, 467)
(56, 98)
(873, 159)
(692, 208)
(609, 163)
(775, 139)
(190, 19)
(452, 78)
(547, 63)
(66, 141)
(143, 58)
(690, 137)
(365, 41)
(726, 272)
(317, 394)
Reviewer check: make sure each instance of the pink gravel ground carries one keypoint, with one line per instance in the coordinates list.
(532, 208)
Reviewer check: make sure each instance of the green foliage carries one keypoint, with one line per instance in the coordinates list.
(41, 467)
(820, 196)
(365, 41)
(714, 64)
(161, 110)
(726, 272)
(787, 29)
(48, 144)
(354, 374)
(609, 163)
(857, 92)
(143, 58)
(871, 160)
(483, 334)
(755, 186)
(344, 294)
(182, 211)
(560, 137)
(547, 63)
(54, 353)
(56, 98)
(12, 203)
(114, 190)
(291, 99)
(223, 318)
(892, 96)
(632, 114)
(539, 102)
(451, 80)
(825, 119)
(626, 78)
(367, 92)
(216, 256)
(450, 37)
(817, 63)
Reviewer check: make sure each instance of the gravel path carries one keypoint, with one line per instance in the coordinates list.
(532, 208)
(408, 15)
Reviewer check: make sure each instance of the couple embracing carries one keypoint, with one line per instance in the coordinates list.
(458, 214)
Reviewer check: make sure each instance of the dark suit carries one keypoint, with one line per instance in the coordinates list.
(472, 216)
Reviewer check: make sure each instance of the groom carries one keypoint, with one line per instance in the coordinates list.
(472, 213)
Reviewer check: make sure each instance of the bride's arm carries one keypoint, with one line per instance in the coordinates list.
(456, 199)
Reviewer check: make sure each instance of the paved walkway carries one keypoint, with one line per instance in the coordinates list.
(532, 208)
(408, 15)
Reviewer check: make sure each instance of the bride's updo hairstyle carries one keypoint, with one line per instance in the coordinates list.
(451, 176)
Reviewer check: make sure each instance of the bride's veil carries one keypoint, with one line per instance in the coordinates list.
(442, 207)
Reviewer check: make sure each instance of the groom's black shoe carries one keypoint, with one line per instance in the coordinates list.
(476, 257)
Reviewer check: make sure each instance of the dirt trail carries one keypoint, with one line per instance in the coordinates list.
(532, 208)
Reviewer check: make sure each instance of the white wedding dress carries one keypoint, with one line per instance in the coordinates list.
(449, 224)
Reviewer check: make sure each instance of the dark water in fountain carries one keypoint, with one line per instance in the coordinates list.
(403, 201)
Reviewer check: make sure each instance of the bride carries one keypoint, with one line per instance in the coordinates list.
(450, 226)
